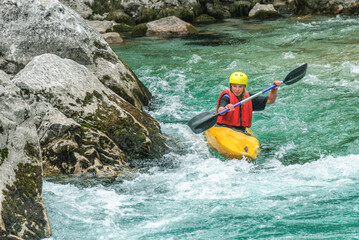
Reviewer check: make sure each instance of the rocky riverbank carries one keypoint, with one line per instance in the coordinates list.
(128, 16)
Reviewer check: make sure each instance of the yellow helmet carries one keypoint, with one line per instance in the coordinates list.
(238, 78)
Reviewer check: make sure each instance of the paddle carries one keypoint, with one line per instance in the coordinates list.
(206, 120)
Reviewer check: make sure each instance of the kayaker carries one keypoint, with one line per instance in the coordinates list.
(241, 116)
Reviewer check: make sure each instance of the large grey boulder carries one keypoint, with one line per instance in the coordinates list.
(169, 26)
(22, 211)
(80, 6)
(84, 127)
(263, 11)
(29, 28)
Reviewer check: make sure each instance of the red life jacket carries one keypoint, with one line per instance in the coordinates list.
(241, 116)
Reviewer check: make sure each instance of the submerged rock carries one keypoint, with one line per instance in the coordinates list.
(29, 28)
(85, 128)
(22, 210)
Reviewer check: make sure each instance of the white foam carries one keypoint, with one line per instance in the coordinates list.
(233, 65)
(195, 59)
(288, 55)
(283, 149)
(162, 222)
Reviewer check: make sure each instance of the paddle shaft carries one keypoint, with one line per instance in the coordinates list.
(247, 99)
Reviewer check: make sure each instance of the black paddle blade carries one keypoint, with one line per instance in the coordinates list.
(202, 122)
(295, 75)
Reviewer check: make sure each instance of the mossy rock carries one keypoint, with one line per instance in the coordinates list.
(196, 8)
(4, 155)
(204, 18)
(240, 9)
(217, 12)
(122, 27)
(191, 29)
(265, 15)
(166, 11)
(185, 13)
(120, 17)
(23, 212)
(130, 136)
(146, 15)
(98, 7)
(181, 12)
(105, 6)
(140, 30)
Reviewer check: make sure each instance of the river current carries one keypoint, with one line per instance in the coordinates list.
(304, 183)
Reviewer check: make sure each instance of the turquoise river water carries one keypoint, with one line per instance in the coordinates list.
(304, 184)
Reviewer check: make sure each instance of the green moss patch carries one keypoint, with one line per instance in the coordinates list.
(22, 204)
(218, 11)
(191, 29)
(131, 137)
(181, 12)
(4, 155)
(146, 15)
(122, 27)
(120, 17)
(204, 18)
(240, 9)
(139, 30)
(104, 6)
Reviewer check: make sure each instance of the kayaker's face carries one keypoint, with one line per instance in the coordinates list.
(237, 89)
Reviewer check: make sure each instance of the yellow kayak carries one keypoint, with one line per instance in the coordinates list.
(231, 143)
